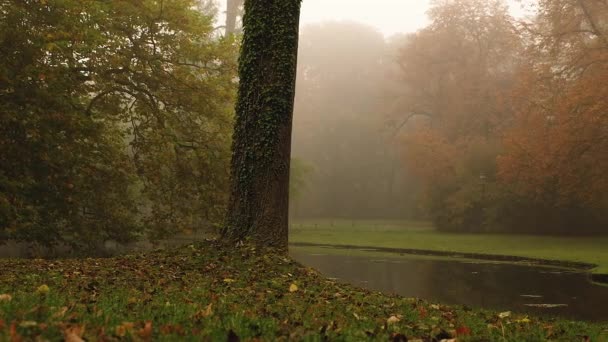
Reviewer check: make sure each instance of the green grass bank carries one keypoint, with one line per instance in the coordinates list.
(207, 292)
(422, 236)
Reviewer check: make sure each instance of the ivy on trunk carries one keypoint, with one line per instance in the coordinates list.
(259, 197)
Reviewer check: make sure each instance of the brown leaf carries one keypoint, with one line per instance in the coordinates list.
(146, 331)
(124, 328)
(15, 337)
(74, 333)
(61, 312)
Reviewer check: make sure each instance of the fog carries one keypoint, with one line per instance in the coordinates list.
(427, 125)
(389, 17)
(380, 169)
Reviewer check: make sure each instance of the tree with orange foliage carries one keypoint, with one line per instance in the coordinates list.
(456, 73)
(556, 154)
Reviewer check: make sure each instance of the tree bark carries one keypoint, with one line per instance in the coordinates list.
(261, 152)
(232, 9)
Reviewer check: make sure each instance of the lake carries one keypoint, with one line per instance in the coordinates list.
(547, 291)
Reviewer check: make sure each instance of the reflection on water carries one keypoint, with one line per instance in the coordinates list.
(492, 286)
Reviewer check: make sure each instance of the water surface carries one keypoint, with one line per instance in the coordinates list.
(497, 286)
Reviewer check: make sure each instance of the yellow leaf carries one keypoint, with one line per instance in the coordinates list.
(43, 289)
(392, 320)
(293, 288)
(28, 324)
(229, 281)
(504, 314)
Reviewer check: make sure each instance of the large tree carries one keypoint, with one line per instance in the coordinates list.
(232, 12)
(115, 119)
(259, 198)
(555, 152)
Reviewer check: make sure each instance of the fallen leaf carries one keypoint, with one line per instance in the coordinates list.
(392, 320)
(463, 331)
(5, 297)
(229, 280)
(43, 289)
(422, 311)
(74, 334)
(146, 331)
(61, 312)
(504, 314)
(28, 324)
(293, 288)
(13, 332)
(208, 311)
(124, 328)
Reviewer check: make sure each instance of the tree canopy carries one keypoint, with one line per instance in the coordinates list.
(115, 119)
(509, 129)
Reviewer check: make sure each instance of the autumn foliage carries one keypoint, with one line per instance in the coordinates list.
(115, 120)
(507, 120)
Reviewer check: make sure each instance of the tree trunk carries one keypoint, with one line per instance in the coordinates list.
(259, 199)
(232, 8)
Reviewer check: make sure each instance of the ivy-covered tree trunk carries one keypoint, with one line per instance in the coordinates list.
(259, 198)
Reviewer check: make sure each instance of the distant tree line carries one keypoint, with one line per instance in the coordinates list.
(513, 131)
(345, 88)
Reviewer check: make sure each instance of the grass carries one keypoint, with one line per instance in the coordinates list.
(209, 292)
(422, 236)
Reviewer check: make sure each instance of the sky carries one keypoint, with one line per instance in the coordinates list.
(388, 16)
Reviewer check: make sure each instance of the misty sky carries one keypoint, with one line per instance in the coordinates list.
(388, 16)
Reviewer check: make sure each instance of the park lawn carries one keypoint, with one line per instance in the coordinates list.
(422, 236)
(207, 291)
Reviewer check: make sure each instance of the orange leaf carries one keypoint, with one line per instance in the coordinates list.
(463, 331)
(15, 337)
(74, 333)
(146, 331)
